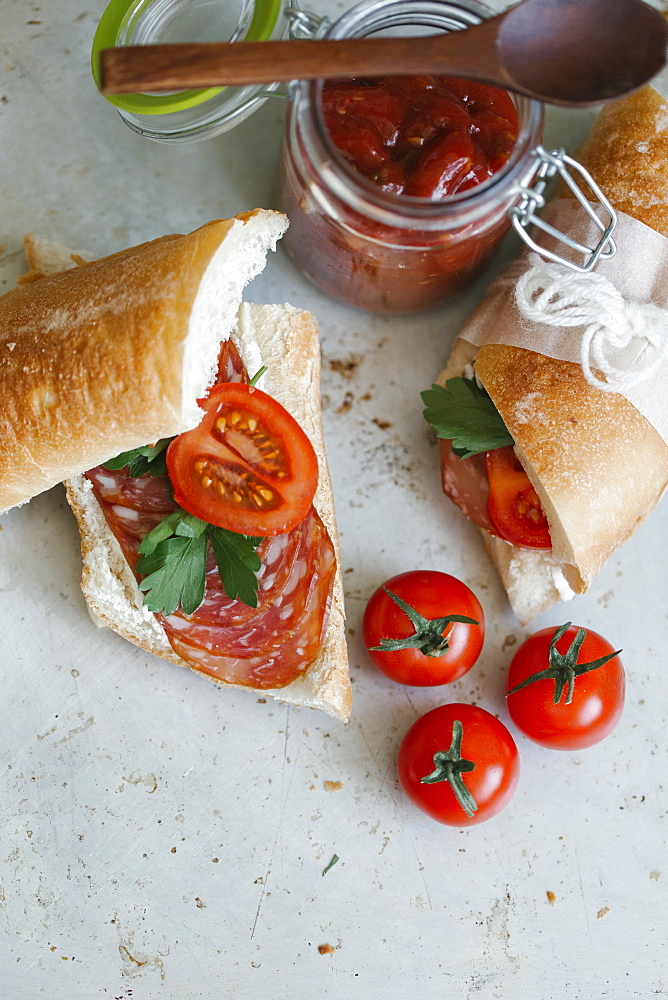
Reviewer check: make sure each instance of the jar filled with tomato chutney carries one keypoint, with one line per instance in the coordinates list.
(398, 189)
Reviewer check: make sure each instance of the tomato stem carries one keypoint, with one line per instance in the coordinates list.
(449, 765)
(257, 376)
(564, 667)
(428, 636)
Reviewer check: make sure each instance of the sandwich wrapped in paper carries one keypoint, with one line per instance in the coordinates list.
(103, 363)
(572, 371)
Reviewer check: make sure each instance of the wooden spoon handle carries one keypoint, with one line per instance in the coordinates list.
(148, 68)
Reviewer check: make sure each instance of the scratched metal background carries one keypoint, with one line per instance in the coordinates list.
(162, 838)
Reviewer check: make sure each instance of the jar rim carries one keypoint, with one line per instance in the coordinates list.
(119, 14)
(360, 193)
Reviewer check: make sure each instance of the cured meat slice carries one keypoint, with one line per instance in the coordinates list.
(465, 482)
(150, 494)
(279, 639)
(132, 506)
(230, 366)
(514, 512)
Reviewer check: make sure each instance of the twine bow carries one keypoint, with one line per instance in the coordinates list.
(626, 342)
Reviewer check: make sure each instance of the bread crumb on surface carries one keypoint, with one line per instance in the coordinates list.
(551, 897)
(332, 786)
(346, 367)
(326, 949)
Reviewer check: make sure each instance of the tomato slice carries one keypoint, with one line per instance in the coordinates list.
(514, 507)
(248, 467)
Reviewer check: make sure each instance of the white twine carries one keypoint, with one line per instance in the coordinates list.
(557, 296)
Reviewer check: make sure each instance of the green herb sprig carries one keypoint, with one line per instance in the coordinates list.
(173, 561)
(461, 411)
(150, 460)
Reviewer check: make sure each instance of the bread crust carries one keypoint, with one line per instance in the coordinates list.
(61, 336)
(626, 153)
(598, 466)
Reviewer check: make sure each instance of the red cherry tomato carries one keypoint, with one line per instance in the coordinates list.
(571, 688)
(248, 467)
(423, 643)
(480, 754)
(514, 507)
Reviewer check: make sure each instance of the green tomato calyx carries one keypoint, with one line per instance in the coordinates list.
(564, 667)
(449, 765)
(431, 636)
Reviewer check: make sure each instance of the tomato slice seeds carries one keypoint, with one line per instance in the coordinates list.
(514, 507)
(248, 467)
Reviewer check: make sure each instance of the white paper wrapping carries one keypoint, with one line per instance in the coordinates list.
(639, 271)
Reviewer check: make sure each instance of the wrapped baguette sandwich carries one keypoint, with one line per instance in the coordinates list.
(563, 472)
(105, 363)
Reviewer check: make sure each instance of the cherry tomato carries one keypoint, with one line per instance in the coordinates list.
(430, 626)
(248, 467)
(459, 764)
(514, 507)
(565, 688)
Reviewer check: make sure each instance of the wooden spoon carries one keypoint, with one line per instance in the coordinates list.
(567, 52)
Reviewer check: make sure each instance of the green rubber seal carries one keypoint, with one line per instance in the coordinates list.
(121, 12)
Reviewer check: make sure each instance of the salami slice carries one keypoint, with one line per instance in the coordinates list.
(132, 506)
(279, 639)
(465, 482)
(230, 366)
(264, 647)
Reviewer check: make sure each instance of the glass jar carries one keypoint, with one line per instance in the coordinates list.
(378, 251)
(189, 115)
(386, 252)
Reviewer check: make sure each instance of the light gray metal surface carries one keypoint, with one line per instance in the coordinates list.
(163, 838)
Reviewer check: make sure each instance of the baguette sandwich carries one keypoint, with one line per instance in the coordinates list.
(103, 363)
(577, 468)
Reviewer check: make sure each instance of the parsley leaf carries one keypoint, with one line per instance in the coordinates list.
(146, 461)
(238, 563)
(161, 531)
(176, 574)
(173, 557)
(463, 412)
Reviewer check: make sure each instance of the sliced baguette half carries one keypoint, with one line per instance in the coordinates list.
(286, 340)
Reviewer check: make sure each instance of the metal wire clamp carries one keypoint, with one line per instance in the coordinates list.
(545, 165)
(306, 24)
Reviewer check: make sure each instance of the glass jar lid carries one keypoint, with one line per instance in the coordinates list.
(142, 22)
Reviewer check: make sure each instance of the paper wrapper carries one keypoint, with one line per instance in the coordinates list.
(639, 271)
